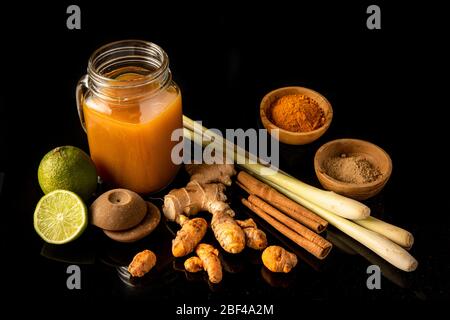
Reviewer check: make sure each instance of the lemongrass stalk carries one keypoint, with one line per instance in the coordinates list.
(335, 203)
(398, 235)
(385, 248)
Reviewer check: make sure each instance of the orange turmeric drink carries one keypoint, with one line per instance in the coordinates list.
(129, 107)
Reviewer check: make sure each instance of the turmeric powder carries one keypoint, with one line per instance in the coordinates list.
(297, 113)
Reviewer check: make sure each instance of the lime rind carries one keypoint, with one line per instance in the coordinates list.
(60, 217)
(68, 168)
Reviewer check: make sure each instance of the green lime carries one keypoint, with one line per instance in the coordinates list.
(60, 217)
(68, 168)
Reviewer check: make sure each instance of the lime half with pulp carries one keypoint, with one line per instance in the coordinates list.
(60, 217)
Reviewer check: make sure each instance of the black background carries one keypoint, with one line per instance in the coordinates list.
(387, 86)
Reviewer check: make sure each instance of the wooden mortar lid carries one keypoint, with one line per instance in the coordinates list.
(143, 229)
(118, 209)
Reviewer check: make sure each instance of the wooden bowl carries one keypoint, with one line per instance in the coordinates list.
(289, 137)
(374, 154)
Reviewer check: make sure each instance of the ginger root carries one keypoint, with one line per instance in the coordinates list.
(255, 238)
(190, 234)
(193, 264)
(142, 263)
(210, 261)
(195, 198)
(209, 197)
(209, 173)
(277, 259)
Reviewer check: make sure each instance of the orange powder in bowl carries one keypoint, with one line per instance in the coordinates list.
(297, 113)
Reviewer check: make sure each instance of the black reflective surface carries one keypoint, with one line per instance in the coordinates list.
(380, 84)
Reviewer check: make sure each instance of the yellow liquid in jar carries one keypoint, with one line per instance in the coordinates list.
(130, 143)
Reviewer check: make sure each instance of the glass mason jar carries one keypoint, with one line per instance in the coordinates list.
(129, 106)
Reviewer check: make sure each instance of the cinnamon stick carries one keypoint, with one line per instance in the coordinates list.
(309, 246)
(294, 225)
(243, 187)
(253, 186)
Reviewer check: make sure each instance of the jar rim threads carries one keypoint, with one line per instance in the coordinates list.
(146, 59)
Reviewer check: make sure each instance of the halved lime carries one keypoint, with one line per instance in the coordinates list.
(60, 217)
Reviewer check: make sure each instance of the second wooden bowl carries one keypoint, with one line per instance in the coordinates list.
(370, 151)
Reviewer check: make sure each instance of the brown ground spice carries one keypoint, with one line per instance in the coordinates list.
(297, 113)
(351, 169)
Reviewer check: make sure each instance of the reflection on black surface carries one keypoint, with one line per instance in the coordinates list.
(277, 280)
(153, 279)
(178, 265)
(195, 276)
(216, 287)
(72, 253)
(391, 273)
(232, 264)
(339, 244)
(254, 256)
(201, 276)
(115, 254)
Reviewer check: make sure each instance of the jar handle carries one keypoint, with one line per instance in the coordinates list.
(82, 87)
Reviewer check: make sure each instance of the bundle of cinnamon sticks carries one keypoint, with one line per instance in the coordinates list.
(288, 217)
